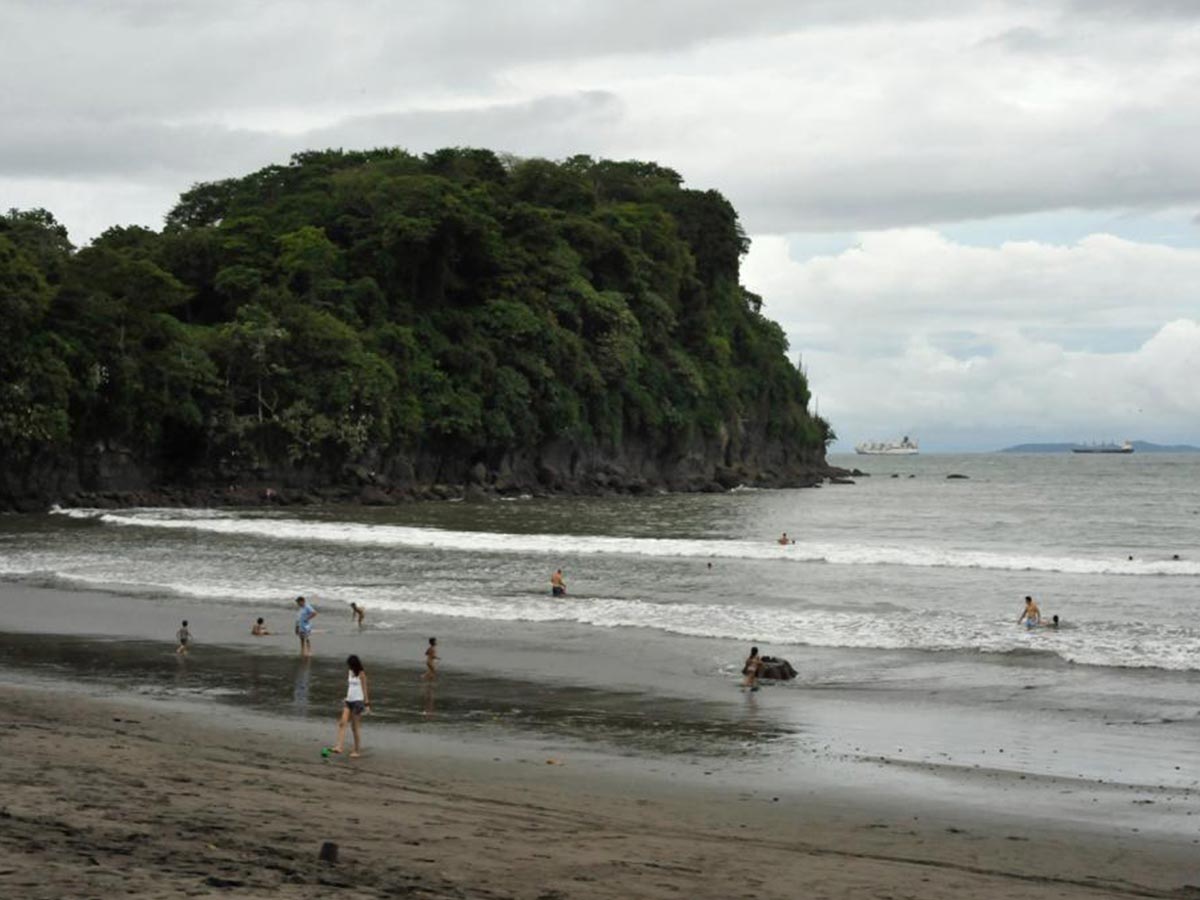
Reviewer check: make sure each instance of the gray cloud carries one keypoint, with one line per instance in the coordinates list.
(820, 115)
(1138, 10)
(46, 147)
(145, 56)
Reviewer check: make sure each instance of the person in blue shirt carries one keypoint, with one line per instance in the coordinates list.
(304, 616)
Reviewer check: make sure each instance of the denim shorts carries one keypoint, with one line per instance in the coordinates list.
(356, 706)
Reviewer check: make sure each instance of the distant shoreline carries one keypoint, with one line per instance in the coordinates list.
(1068, 446)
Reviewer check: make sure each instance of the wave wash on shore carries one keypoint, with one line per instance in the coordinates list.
(300, 530)
(798, 595)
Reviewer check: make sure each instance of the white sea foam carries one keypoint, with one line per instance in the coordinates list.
(277, 528)
(1102, 643)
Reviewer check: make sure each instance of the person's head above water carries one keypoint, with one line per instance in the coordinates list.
(1054, 620)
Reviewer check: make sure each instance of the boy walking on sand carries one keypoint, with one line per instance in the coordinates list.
(183, 636)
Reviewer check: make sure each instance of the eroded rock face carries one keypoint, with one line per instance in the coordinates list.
(118, 476)
(776, 669)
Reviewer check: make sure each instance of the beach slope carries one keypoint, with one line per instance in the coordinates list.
(106, 796)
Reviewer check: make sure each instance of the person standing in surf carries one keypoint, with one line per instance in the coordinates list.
(358, 701)
(1031, 616)
(558, 587)
(304, 616)
(358, 613)
(751, 669)
(431, 661)
(183, 636)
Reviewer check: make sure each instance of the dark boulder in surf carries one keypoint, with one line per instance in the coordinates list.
(775, 669)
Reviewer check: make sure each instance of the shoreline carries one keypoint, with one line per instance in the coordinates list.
(834, 785)
(161, 799)
(1109, 737)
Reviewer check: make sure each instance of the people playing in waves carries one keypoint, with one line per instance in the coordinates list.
(558, 587)
(183, 636)
(784, 539)
(1031, 616)
(751, 669)
(304, 616)
(431, 660)
(259, 628)
(358, 700)
(357, 613)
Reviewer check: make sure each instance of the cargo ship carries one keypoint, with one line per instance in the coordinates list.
(1124, 447)
(903, 447)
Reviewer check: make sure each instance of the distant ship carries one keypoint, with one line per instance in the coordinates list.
(1125, 447)
(903, 447)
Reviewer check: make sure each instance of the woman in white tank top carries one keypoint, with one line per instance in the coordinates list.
(357, 700)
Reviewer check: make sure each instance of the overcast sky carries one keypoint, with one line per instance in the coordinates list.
(979, 223)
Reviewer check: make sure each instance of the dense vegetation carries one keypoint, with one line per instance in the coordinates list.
(417, 315)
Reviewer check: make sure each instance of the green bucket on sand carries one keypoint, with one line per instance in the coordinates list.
(325, 751)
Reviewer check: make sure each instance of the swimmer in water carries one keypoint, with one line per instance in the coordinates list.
(259, 628)
(558, 587)
(1031, 616)
(784, 539)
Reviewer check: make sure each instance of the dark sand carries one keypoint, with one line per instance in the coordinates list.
(128, 771)
(106, 797)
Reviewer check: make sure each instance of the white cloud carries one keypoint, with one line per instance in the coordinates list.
(985, 346)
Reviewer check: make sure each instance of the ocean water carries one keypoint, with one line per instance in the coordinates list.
(906, 559)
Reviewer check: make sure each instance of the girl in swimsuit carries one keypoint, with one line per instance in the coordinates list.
(357, 701)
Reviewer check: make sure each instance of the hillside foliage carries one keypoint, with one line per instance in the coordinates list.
(363, 305)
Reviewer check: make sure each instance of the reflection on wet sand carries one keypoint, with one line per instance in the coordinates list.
(300, 686)
(638, 722)
(427, 709)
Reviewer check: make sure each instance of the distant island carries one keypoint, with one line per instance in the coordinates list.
(1138, 447)
(376, 326)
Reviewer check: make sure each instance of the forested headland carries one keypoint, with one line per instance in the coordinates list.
(376, 325)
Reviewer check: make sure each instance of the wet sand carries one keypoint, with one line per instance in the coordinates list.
(107, 797)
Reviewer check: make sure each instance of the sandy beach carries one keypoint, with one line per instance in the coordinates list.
(553, 759)
(108, 795)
